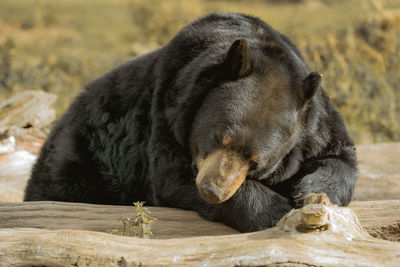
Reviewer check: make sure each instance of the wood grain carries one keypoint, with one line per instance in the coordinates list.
(171, 223)
(344, 243)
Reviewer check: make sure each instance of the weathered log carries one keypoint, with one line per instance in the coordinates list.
(23, 122)
(379, 172)
(171, 223)
(343, 242)
(30, 111)
(16, 160)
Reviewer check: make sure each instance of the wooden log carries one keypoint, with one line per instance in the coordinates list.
(372, 214)
(344, 242)
(171, 223)
(30, 111)
(24, 119)
(16, 159)
(379, 172)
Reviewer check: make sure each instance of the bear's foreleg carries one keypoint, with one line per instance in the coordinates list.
(253, 207)
(333, 176)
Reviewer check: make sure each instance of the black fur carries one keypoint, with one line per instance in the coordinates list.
(137, 132)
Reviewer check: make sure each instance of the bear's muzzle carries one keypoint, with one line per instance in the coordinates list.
(220, 175)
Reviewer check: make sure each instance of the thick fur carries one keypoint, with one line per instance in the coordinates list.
(137, 132)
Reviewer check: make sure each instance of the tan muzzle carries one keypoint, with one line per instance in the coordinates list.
(220, 175)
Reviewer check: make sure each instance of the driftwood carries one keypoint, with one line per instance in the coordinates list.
(339, 238)
(379, 172)
(24, 119)
(171, 223)
(29, 111)
(17, 155)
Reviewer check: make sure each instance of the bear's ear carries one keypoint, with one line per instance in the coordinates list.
(236, 62)
(311, 85)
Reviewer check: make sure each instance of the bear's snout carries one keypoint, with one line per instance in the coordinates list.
(211, 193)
(220, 175)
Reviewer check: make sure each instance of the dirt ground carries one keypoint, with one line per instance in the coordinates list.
(390, 232)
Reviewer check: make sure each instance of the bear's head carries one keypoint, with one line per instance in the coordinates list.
(249, 122)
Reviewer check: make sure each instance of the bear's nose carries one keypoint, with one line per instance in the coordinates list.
(213, 194)
(220, 175)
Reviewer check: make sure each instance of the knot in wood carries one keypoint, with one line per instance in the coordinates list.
(314, 216)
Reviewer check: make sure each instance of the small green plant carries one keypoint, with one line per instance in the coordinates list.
(140, 226)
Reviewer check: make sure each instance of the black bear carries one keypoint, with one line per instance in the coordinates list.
(226, 120)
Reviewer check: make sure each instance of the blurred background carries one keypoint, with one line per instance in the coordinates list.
(58, 46)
